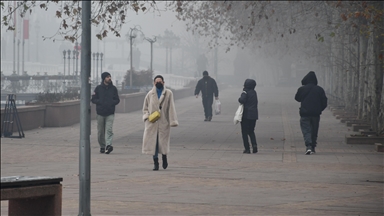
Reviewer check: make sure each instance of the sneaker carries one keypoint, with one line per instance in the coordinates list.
(246, 151)
(313, 150)
(109, 149)
(209, 118)
(308, 152)
(206, 119)
(102, 150)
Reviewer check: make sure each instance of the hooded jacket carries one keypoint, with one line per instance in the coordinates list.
(249, 100)
(312, 97)
(207, 85)
(106, 98)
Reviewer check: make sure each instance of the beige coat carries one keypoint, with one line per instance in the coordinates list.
(168, 118)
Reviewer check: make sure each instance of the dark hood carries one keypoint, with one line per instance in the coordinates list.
(309, 78)
(249, 84)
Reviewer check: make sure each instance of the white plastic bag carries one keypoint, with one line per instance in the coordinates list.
(217, 107)
(238, 114)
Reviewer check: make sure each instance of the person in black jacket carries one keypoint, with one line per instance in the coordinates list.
(208, 87)
(106, 98)
(250, 114)
(313, 102)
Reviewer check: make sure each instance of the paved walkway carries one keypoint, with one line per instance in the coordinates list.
(207, 173)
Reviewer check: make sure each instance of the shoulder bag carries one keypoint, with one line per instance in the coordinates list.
(156, 114)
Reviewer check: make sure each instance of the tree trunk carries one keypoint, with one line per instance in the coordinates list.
(362, 67)
(350, 74)
(342, 72)
(355, 79)
(377, 118)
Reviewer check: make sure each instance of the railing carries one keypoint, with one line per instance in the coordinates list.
(31, 68)
(177, 82)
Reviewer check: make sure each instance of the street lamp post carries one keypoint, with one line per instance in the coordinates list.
(22, 46)
(151, 41)
(97, 67)
(77, 57)
(69, 63)
(14, 43)
(18, 56)
(73, 61)
(94, 77)
(132, 35)
(64, 52)
(77, 62)
(101, 66)
(63, 77)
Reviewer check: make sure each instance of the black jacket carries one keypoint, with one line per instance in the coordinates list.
(249, 100)
(106, 98)
(312, 97)
(207, 85)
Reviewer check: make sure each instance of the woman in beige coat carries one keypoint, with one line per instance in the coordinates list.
(157, 134)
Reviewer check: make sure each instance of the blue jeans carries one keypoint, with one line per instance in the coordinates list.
(310, 128)
(157, 148)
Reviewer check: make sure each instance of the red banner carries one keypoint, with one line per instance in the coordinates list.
(26, 29)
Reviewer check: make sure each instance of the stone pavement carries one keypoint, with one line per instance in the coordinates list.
(208, 174)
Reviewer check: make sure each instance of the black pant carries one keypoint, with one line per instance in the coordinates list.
(207, 103)
(248, 129)
(310, 128)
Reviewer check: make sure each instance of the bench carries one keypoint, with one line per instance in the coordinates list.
(30, 195)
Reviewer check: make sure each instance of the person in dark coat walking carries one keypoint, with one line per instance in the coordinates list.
(250, 114)
(208, 87)
(106, 98)
(313, 101)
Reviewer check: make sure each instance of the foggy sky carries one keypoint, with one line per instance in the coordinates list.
(117, 49)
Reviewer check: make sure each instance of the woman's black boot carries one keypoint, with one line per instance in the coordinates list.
(165, 162)
(156, 164)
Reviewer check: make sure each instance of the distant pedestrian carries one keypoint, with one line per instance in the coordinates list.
(156, 138)
(106, 98)
(313, 102)
(250, 115)
(208, 87)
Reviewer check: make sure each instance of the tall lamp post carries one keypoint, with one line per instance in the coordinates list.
(97, 68)
(77, 48)
(94, 73)
(69, 63)
(64, 53)
(73, 62)
(151, 41)
(63, 77)
(101, 66)
(37, 27)
(132, 34)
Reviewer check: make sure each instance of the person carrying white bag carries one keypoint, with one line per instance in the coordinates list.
(248, 99)
(208, 87)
